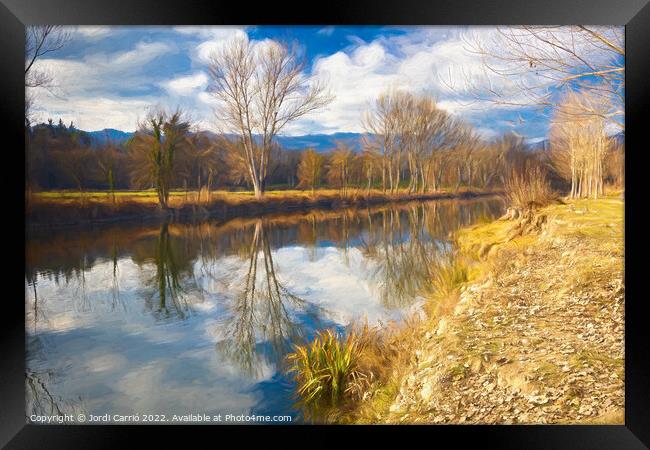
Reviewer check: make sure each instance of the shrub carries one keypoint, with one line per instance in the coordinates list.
(326, 370)
(529, 189)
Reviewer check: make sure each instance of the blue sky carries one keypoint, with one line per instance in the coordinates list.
(107, 77)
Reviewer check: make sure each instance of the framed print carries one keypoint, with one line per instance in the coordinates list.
(364, 220)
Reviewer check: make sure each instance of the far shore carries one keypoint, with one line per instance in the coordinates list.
(61, 209)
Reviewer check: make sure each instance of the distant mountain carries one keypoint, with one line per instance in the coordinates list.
(539, 145)
(620, 138)
(319, 142)
(545, 144)
(101, 137)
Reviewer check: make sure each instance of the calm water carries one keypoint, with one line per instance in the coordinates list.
(196, 318)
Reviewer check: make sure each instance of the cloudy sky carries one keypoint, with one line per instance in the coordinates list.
(107, 77)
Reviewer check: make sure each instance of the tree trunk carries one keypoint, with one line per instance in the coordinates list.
(198, 187)
(111, 183)
(209, 185)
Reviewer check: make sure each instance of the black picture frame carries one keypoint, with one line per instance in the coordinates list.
(634, 14)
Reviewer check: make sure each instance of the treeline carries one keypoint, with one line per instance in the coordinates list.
(581, 151)
(62, 157)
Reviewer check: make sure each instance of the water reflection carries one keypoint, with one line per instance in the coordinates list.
(168, 289)
(261, 309)
(206, 311)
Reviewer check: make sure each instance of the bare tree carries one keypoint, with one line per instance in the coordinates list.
(310, 169)
(338, 168)
(527, 65)
(40, 40)
(199, 162)
(107, 159)
(260, 89)
(579, 142)
(615, 164)
(154, 148)
(77, 164)
(370, 165)
(381, 124)
(432, 131)
(412, 131)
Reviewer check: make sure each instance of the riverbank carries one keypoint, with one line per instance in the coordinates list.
(47, 209)
(529, 329)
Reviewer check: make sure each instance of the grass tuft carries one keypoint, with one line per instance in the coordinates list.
(326, 370)
(351, 378)
(450, 273)
(529, 189)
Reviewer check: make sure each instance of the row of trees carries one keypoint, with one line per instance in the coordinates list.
(581, 151)
(165, 154)
(411, 132)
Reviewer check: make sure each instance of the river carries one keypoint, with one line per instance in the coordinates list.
(196, 318)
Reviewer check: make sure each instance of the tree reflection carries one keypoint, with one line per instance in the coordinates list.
(404, 256)
(307, 234)
(398, 245)
(32, 281)
(39, 400)
(169, 261)
(410, 241)
(264, 317)
(115, 284)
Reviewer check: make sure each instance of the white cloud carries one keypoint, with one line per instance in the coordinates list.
(326, 31)
(354, 80)
(94, 32)
(92, 114)
(433, 60)
(213, 39)
(424, 60)
(187, 85)
(141, 54)
(358, 76)
(101, 72)
(94, 92)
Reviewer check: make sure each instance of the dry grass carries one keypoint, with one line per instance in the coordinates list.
(391, 353)
(387, 355)
(64, 208)
(529, 189)
(351, 378)
(450, 273)
(178, 197)
(326, 370)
